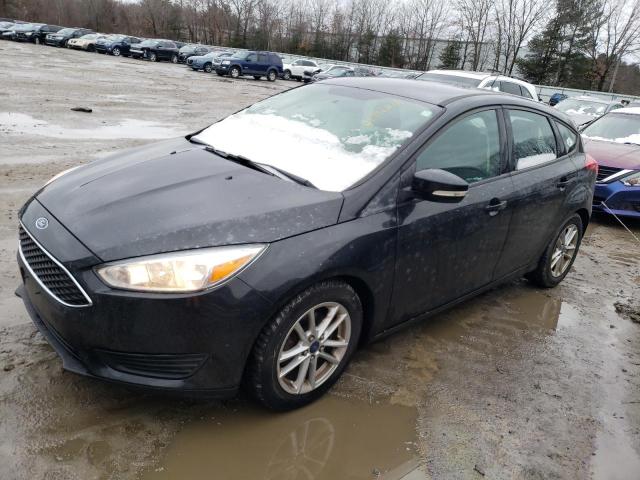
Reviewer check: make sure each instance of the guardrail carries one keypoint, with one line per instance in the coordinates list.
(545, 92)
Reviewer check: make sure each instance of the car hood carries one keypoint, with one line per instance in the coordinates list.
(581, 118)
(612, 154)
(174, 195)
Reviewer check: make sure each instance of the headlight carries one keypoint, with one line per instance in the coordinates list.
(28, 34)
(64, 172)
(188, 271)
(632, 180)
(226, 62)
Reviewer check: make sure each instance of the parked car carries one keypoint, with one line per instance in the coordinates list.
(584, 109)
(296, 69)
(614, 141)
(256, 64)
(489, 81)
(190, 51)
(335, 72)
(5, 27)
(116, 45)
(37, 35)
(557, 98)
(11, 33)
(323, 67)
(61, 37)
(155, 50)
(86, 42)
(207, 62)
(213, 260)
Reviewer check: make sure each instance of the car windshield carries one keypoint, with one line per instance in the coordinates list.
(188, 49)
(574, 106)
(5, 24)
(330, 135)
(66, 31)
(457, 80)
(615, 127)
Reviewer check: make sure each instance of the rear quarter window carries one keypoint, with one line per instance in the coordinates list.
(568, 136)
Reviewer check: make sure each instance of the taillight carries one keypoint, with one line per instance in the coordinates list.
(590, 163)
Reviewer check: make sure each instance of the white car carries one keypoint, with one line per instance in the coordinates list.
(489, 81)
(296, 69)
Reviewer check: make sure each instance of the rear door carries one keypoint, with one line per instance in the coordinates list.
(447, 250)
(263, 64)
(544, 171)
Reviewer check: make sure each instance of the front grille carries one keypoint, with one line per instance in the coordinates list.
(50, 274)
(169, 366)
(605, 172)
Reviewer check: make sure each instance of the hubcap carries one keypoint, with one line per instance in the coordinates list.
(314, 348)
(564, 251)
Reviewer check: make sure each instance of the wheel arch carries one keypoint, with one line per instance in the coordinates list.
(584, 216)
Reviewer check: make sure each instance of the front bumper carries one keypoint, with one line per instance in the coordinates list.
(223, 69)
(185, 342)
(620, 199)
(55, 42)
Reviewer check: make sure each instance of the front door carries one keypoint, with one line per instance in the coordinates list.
(446, 250)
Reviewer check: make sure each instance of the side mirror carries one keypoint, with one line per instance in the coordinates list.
(439, 186)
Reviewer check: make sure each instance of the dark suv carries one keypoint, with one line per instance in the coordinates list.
(61, 37)
(116, 45)
(155, 50)
(37, 35)
(257, 64)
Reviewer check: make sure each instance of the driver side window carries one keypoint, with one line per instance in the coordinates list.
(252, 57)
(469, 148)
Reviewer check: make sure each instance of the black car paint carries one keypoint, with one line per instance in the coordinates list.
(58, 40)
(38, 34)
(123, 45)
(372, 235)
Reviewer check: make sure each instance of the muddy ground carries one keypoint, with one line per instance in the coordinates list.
(518, 383)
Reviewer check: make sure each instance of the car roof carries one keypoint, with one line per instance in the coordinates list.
(442, 94)
(594, 99)
(462, 73)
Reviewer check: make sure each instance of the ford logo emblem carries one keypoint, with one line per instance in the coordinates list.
(42, 223)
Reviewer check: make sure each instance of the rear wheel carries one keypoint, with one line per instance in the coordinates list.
(37, 41)
(116, 52)
(272, 75)
(208, 67)
(91, 48)
(306, 347)
(286, 75)
(235, 72)
(174, 58)
(153, 57)
(558, 257)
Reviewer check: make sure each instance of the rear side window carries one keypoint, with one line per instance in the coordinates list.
(533, 139)
(510, 87)
(569, 138)
(469, 148)
(262, 58)
(525, 92)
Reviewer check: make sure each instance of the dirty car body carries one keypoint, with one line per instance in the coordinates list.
(405, 249)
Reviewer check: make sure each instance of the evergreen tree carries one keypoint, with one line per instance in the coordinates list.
(450, 55)
(390, 53)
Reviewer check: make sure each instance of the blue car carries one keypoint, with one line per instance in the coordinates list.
(557, 98)
(256, 64)
(614, 141)
(207, 62)
(116, 45)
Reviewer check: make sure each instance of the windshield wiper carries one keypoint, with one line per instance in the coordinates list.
(268, 169)
(632, 143)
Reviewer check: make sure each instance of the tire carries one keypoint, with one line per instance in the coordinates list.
(152, 57)
(37, 41)
(91, 48)
(116, 52)
(256, 77)
(555, 263)
(174, 58)
(286, 75)
(331, 301)
(208, 67)
(272, 75)
(234, 72)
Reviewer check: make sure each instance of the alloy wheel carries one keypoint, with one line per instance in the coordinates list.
(235, 72)
(313, 348)
(565, 250)
(116, 52)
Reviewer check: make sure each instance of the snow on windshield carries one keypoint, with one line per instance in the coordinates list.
(575, 107)
(615, 127)
(331, 136)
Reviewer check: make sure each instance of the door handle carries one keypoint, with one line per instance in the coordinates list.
(563, 182)
(495, 205)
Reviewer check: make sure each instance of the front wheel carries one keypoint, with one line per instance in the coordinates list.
(235, 72)
(153, 57)
(306, 347)
(37, 41)
(286, 75)
(116, 52)
(272, 75)
(558, 257)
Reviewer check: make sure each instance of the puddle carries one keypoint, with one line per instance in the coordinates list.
(21, 124)
(333, 438)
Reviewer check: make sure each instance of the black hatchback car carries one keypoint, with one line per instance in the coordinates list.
(61, 37)
(155, 50)
(214, 260)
